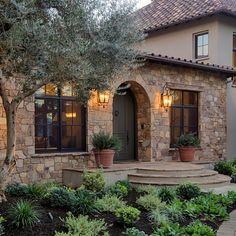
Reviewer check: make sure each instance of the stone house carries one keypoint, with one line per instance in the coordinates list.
(203, 31)
(54, 131)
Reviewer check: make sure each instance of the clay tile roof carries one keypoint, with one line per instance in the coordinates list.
(227, 70)
(164, 13)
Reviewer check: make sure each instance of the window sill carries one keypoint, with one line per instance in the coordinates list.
(202, 59)
(176, 149)
(60, 154)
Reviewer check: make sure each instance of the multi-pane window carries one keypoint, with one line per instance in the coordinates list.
(201, 45)
(234, 50)
(60, 121)
(184, 114)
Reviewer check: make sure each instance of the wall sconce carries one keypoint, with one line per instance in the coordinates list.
(166, 98)
(103, 98)
(70, 115)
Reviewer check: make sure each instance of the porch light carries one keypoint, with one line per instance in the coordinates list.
(166, 98)
(103, 98)
(70, 115)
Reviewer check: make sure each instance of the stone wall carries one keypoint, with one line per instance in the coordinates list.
(153, 122)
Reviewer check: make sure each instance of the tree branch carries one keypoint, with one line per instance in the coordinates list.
(3, 91)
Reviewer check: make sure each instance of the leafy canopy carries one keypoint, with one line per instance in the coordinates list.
(87, 42)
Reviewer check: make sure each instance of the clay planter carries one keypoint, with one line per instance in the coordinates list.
(104, 158)
(186, 153)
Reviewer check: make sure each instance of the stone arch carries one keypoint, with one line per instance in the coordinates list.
(142, 120)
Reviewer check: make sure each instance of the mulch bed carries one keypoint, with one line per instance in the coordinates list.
(48, 226)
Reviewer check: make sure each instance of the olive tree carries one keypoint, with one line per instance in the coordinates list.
(87, 42)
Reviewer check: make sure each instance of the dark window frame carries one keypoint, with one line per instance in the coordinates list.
(182, 107)
(60, 125)
(234, 50)
(196, 45)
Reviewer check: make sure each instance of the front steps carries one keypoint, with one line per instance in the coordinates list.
(170, 176)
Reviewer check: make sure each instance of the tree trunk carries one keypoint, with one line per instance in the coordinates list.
(9, 162)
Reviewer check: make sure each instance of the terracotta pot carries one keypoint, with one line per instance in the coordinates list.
(186, 153)
(104, 158)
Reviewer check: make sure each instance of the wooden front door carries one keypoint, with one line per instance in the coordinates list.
(124, 125)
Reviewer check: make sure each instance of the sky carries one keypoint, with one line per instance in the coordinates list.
(143, 3)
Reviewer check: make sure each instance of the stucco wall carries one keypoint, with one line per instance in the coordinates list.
(153, 122)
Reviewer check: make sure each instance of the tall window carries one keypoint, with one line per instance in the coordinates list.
(201, 45)
(60, 121)
(234, 50)
(184, 114)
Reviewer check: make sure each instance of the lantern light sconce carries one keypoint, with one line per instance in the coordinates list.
(103, 98)
(166, 98)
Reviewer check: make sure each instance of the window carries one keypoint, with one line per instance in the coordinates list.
(184, 114)
(60, 121)
(234, 50)
(201, 46)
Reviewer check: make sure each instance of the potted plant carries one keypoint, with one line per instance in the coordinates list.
(187, 144)
(105, 146)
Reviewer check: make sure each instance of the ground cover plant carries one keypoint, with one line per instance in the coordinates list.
(49, 209)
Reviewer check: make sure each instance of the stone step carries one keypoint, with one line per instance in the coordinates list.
(176, 174)
(173, 172)
(206, 182)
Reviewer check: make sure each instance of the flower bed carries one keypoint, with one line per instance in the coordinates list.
(115, 210)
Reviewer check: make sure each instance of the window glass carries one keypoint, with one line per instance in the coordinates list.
(184, 114)
(67, 90)
(201, 45)
(51, 90)
(59, 123)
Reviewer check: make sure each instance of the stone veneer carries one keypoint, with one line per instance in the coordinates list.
(153, 122)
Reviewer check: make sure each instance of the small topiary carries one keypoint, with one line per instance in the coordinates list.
(127, 215)
(94, 181)
(166, 194)
(150, 202)
(225, 168)
(23, 214)
(133, 232)
(188, 191)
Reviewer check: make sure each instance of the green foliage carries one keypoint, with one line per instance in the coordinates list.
(23, 214)
(17, 189)
(94, 181)
(188, 191)
(150, 202)
(199, 229)
(166, 194)
(188, 140)
(149, 189)
(60, 197)
(133, 232)
(158, 218)
(84, 202)
(36, 190)
(127, 215)
(119, 189)
(169, 230)
(82, 226)
(105, 141)
(109, 203)
(2, 230)
(225, 168)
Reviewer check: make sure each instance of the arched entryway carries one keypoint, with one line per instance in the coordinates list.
(132, 122)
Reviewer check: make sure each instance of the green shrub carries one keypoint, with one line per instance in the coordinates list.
(119, 189)
(105, 141)
(133, 232)
(188, 191)
(127, 215)
(150, 202)
(199, 229)
(94, 181)
(84, 202)
(158, 218)
(82, 226)
(169, 230)
(36, 190)
(17, 189)
(188, 140)
(225, 168)
(166, 194)
(2, 230)
(23, 214)
(147, 189)
(109, 203)
(175, 212)
(60, 197)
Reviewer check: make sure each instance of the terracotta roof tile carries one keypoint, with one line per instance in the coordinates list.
(229, 71)
(164, 13)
